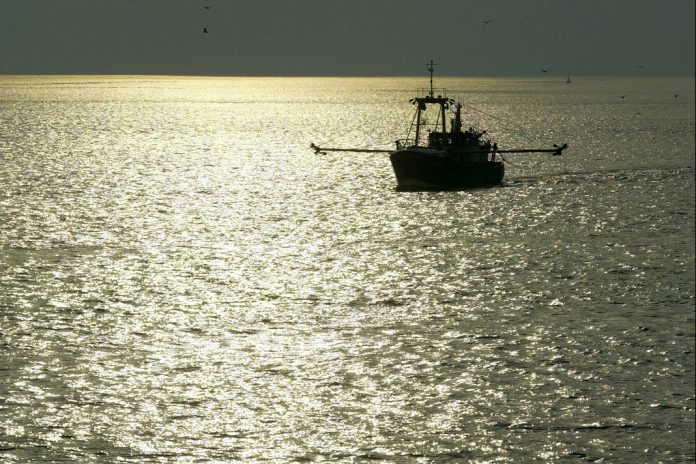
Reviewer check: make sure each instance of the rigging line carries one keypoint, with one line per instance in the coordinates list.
(376, 146)
(330, 142)
(508, 162)
(410, 129)
(497, 118)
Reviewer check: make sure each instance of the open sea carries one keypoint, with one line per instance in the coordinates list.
(183, 280)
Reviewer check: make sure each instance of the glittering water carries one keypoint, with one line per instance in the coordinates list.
(183, 280)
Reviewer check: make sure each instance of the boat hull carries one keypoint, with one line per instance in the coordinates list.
(428, 169)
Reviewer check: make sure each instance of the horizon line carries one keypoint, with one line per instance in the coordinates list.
(363, 76)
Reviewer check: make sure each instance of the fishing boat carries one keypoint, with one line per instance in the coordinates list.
(446, 158)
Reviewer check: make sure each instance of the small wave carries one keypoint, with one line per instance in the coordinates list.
(388, 302)
(183, 417)
(188, 368)
(610, 175)
(666, 406)
(578, 427)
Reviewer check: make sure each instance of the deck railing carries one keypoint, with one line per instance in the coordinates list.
(405, 143)
(441, 92)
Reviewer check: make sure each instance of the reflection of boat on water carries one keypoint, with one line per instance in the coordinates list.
(448, 159)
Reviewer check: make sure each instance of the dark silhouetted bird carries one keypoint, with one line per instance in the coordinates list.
(206, 7)
(676, 95)
(622, 96)
(486, 21)
(205, 30)
(545, 70)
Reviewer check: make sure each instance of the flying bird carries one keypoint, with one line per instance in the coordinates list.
(622, 96)
(545, 70)
(676, 95)
(206, 7)
(486, 21)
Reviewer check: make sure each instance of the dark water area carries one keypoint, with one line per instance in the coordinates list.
(182, 279)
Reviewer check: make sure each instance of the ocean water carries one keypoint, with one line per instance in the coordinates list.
(182, 279)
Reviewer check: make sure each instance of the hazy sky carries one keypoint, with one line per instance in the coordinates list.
(347, 37)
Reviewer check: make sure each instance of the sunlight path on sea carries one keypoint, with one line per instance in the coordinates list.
(184, 279)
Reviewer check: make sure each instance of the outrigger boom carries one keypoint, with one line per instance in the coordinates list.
(359, 150)
(556, 151)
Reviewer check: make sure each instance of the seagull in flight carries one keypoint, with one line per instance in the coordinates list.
(206, 7)
(545, 70)
(622, 96)
(486, 21)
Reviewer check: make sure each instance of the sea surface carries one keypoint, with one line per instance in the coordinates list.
(182, 279)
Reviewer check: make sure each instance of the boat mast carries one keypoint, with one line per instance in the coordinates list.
(431, 69)
(418, 121)
(432, 96)
(457, 126)
(421, 106)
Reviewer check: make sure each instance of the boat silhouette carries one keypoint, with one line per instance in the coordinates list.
(446, 158)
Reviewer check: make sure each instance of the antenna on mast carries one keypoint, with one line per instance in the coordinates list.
(431, 69)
